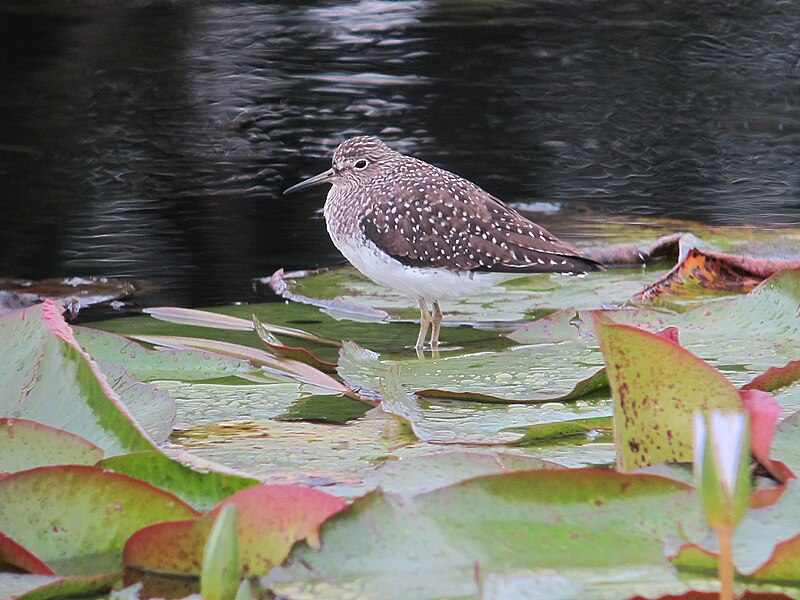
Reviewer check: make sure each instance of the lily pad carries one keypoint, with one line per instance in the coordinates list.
(270, 520)
(76, 518)
(211, 403)
(449, 422)
(16, 555)
(741, 337)
(41, 587)
(347, 460)
(285, 367)
(27, 444)
(389, 547)
(702, 270)
(529, 374)
(509, 303)
(657, 386)
(148, 365)
(421, 474)
(49, 378)
(201, 489)
(766, 544)
(153, 408)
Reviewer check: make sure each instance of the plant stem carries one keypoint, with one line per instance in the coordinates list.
(726, 572)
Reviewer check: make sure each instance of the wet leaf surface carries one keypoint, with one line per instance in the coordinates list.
(76, 519)
(270, 520)
(43, 363)
(27, 444)
(146, 365)
(485, 526)
(201, 489)
(657, 386)
(41, 587)
(543, 400)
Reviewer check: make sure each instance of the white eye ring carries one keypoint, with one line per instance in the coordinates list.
(360, 164)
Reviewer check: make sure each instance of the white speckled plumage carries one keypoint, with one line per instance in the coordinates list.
(429, 233)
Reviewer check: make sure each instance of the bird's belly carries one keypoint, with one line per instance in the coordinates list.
(415, 282)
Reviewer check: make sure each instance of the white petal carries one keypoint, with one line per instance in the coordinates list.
(726, 436)
(699, 435)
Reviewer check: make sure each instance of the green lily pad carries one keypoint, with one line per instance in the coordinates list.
(15, 555)
(741, 337)
(347, 460)
(148, 365)
(41, 587)
(201, 489)
(766, 544)
(152, 408)
(421, 474)
(201, 404)
(77, 518)
(270, 520)
(338, 409)
(27, 444)
(389, 547)
(509, 303)
(529, 374)
(447, 422)
(48, 378)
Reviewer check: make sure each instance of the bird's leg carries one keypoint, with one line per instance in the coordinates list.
(424, 322)
(437, 324)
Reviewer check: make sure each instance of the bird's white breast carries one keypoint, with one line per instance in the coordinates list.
(429, 283)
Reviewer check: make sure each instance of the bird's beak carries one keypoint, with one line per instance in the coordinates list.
(325, 177)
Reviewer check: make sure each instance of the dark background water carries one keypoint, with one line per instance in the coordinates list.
(152, 139)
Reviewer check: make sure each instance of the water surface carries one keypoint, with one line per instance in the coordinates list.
(152, 139)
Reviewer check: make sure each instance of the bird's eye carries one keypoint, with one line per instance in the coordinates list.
(361, 164)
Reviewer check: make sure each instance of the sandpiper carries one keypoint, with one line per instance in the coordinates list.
(428, 233)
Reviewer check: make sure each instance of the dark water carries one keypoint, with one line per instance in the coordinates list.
(152, 139)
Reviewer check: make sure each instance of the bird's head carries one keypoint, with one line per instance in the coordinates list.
(355, 161)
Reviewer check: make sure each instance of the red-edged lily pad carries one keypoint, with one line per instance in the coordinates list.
(47, 377)
(76, 519)
(271, 518)
(27, 444)
(12, 553)
(657, 385)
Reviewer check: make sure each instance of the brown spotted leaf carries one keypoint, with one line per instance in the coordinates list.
(657, 385)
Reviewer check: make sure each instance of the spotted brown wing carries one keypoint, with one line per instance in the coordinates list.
(455, 225)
